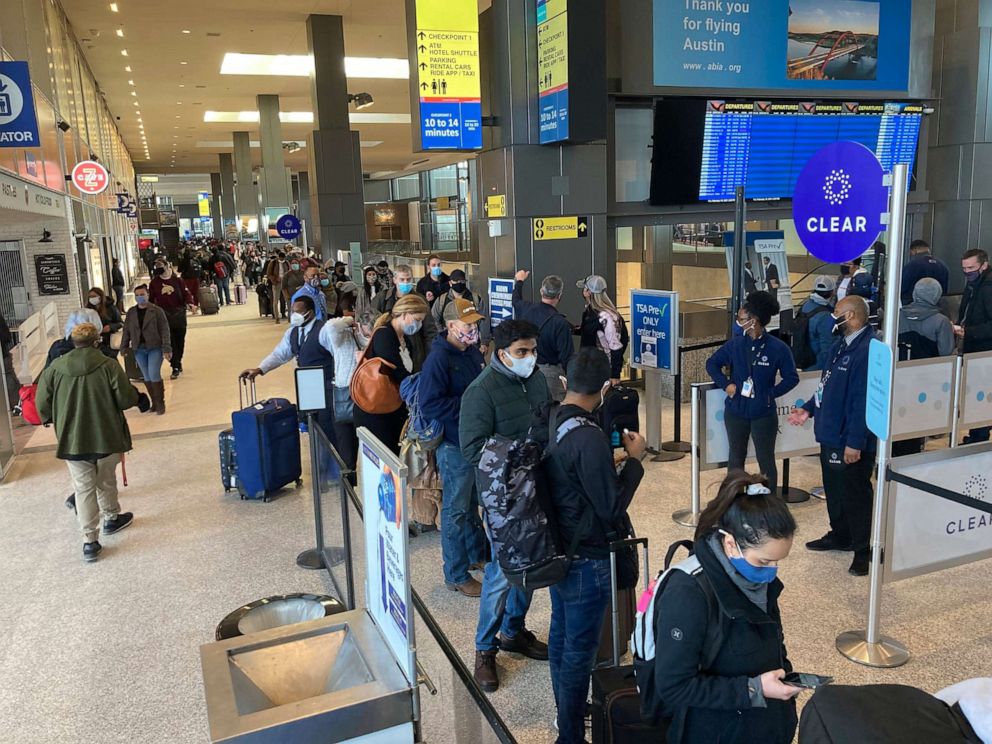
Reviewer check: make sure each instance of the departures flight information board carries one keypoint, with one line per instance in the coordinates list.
(765, 145)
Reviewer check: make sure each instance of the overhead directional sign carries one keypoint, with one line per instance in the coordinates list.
(500, 300)
(560, 228)
(552, 69)
(448, 87)
(18, 121)
(89, 177)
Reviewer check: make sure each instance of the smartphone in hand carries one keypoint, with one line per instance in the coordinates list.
(806, 681)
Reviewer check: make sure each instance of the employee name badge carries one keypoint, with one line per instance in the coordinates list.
(747, 389)
(819, 394)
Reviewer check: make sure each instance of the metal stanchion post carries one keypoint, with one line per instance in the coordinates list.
(690, 517)
(955, 435)
(791, 494)
(677, 445)
(870, 647)
(652, 386)
(313, 558)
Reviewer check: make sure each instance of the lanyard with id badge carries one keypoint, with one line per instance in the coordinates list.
(826, 375)
(747, 388)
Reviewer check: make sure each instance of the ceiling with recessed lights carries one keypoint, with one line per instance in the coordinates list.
(183, 75)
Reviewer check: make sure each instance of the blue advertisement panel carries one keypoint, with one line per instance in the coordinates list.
(552, 69)
(18, 122)
(450, 125)
(654, 329)
(500, 300)
(807, 45)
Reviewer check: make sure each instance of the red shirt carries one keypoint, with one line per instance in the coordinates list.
(169, 294)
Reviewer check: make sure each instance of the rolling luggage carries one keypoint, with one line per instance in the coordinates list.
(267, 442)
(264, 292)
(240, 294)
(616, 704)
(619, 412)
(209, 305)
(228, 460)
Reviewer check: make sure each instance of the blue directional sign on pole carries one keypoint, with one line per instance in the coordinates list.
(18, 122)
(654, 329)
(288, 226)
(500, 301)
(879, 397)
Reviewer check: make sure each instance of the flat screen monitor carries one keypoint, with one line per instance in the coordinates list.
(705, 149)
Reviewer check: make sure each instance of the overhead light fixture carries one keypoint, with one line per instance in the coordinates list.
(135, 103)
(130, 82)
(184, 63)
(120, 32)
(361, 100)
(187, 31)
(127, 68)
(123, 52)
(134, 93)
(46, 237)
(299, 117)
(181, 85)
(113, 8)
(301, 65)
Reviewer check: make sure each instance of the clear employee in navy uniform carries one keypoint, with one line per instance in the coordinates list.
(761, 370)
(311, 343)
(847, 447)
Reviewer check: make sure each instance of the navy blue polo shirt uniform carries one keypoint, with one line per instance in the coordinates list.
(762, 369)
(838, 411)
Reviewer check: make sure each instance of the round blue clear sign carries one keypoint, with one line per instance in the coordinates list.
(288, 226)
(839, 202)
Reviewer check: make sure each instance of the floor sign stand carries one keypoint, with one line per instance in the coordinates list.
(869, 647)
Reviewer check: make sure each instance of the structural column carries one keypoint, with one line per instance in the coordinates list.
(229, 215)
(337, 201)
(215, 210)
(273, 178)
(246, 202)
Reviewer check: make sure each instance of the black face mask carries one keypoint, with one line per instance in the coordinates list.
(459, 287)
(845, 270)
(159, 270)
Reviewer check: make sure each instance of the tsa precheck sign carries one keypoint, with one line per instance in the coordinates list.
(654, 329)
(812, 45)
(18, 121)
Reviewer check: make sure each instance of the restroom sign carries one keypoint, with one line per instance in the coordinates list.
(18, 121)
(89, 177)
(841, 201)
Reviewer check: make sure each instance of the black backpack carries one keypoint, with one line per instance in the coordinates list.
(802, 349)
(913, 345)
(619, 412)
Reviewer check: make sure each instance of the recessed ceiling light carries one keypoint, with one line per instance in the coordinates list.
(179, 103)
(123, 52)
(184, 63)
(130, 82)
(187, 31)
(301, 65)
(135, 103)
(181, 85)
(134, 93)
(114, 8)
(120, 32)
(127, 68)
(178, 116)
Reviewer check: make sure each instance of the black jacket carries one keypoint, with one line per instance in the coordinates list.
(439, 286)
(582, 475)
(976, 315)
(714, 705)
(554, 344)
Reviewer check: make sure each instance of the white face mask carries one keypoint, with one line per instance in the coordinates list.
(522, 368)
(95, 301)
(297, 319)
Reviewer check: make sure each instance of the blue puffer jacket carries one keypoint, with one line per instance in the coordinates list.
(446, 375)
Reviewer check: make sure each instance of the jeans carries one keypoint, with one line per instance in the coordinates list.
(150, 362)
(849, 496)
(462, 540)
(502, 607)
(763, 431)
(578, 604)
(224, 290)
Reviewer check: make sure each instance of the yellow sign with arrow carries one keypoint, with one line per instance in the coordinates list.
(560, 228)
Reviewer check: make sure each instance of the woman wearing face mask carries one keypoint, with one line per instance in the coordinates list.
(365, 315)
(719, 650)
(761, 370)
(392, 341)
(110, 316)
(146, 333)
(328, 289)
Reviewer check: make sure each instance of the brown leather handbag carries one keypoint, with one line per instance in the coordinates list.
(372, 389)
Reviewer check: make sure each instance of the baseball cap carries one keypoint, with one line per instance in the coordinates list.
(594, 283)
(825, 283)
(463, 310)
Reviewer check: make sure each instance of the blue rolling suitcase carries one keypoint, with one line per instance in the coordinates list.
(267, 443)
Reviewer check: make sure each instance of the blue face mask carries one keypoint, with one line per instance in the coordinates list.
(752, 573)
(404, 288)
(435, 271)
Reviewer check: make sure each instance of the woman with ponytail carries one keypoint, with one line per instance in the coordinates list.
(719, 651)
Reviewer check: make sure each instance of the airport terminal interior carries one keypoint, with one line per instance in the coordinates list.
(773, 211)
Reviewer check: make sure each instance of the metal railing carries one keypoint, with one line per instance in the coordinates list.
(456, 709)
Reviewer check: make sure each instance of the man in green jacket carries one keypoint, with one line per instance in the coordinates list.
(84, 394)
(502, 400)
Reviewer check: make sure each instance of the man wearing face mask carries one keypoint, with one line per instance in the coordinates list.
(435, 283)
(276, 271)
(310, 341)
(311, 288)
(847, 273)
(502, 402)
(847, 447)
(453, 364)
(974, 326)
(171, 294)
(591, 494)
(293, 279)
(460, 289)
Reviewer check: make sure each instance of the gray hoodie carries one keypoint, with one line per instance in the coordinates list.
(923, 316)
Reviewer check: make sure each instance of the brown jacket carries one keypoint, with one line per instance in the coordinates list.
(275, 276)
(154, 331)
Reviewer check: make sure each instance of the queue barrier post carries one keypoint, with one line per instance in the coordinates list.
(791, 494)
(313, 558)
(955, 436)
(677, 445)
(690, 517)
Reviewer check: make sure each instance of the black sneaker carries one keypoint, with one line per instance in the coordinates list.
(70, 503)
(91, 551)
(175, 374)
(830, 541)
(122, 520)
(525, 643)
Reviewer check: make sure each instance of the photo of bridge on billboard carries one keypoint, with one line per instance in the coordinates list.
(833, 41)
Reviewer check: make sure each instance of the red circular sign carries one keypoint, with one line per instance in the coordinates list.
(90, 177)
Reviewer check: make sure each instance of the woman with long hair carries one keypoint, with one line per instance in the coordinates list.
(365, 315)
(602, 326)
(110, 316)
(719, 648)
(390, 343)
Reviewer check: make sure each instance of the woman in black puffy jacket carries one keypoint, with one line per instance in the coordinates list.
(719, 653)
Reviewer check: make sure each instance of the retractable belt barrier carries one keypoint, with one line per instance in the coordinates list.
(944, 493)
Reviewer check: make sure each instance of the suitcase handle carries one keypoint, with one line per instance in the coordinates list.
(614, 592)
(246, 391)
